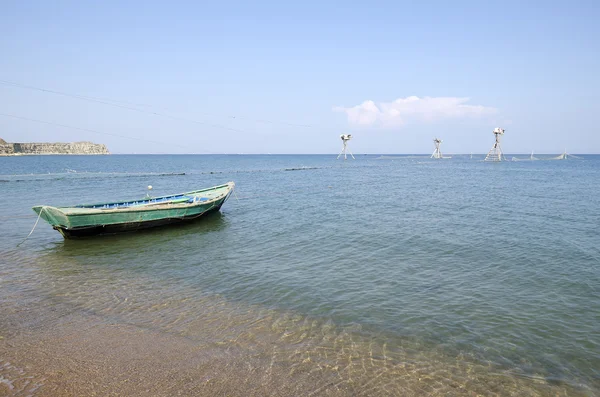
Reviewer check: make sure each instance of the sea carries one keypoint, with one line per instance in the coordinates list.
(379, 275)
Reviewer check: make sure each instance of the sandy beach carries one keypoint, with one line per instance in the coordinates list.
(81, 354)
(80, 357)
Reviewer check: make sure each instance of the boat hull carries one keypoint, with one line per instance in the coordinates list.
(112, 218)
(89, 231)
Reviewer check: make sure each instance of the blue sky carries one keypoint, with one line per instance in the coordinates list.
(271, 77)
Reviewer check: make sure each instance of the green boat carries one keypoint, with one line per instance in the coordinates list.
(124, 216)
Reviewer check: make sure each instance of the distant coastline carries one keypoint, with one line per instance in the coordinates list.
(44, 148)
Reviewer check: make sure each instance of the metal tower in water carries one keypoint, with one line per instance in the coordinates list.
(495, 153)
(345, 138)
(437, 154)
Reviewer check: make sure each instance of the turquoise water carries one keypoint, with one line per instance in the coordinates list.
(482, 277)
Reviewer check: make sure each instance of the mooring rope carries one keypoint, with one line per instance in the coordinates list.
(35, 225)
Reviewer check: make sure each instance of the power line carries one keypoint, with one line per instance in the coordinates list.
(94, 131)
(104, 102)
(91, 98)
(117, 103)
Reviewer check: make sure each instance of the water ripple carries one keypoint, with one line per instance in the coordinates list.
(363, 278)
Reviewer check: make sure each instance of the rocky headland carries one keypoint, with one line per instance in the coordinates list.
(33, 148)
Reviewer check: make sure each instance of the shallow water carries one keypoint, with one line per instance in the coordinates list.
(376, 276)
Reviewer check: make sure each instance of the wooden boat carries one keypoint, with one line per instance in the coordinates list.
(123, 216)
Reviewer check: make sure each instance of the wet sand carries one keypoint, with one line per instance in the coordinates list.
(84, 355)
(115, 344)
(83, 359)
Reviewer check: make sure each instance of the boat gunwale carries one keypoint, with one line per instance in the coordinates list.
(229, 185)
(140, 208)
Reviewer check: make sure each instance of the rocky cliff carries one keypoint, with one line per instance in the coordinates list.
(15, 149)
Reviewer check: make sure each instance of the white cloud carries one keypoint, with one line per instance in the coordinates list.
(412, 108)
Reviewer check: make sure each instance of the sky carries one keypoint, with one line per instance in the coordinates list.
(290, 77)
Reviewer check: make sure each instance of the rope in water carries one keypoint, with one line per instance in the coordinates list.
(34, 226)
